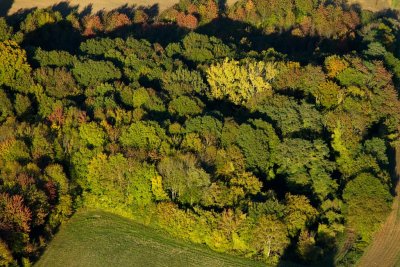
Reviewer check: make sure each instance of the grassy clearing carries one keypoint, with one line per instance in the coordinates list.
(97, 238)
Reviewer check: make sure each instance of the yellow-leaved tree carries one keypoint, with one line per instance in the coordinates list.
(14, 68)
(239, 82)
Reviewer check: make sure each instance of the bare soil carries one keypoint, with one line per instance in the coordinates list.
(373, 5)
(96, 4)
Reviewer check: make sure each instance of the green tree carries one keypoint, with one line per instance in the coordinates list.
(6, 258)
(5, 106)
(183, 178)
(258, 143)
(54, 58)
(367, 205)
(57, 82)
(183, 81)
(6, 31)
(292, 118)
(299, 214)
(143, 135)
(185, 106)
(22, 104)
(328, 94)
(307, 167)
(39, 18)
(92, 134)
(57, 179)
(14, 68)
(116, 180)
(201, 48)
(91, 72)
(269, 239)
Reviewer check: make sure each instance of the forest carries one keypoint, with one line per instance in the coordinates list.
(265, 129)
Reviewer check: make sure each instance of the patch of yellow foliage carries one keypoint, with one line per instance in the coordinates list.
(240, 81)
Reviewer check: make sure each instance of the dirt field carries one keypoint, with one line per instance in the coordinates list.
(97, 4)
(385, 249)
(374, 4)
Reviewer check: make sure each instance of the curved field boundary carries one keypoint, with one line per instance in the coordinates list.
(96, 4)
(385, 249)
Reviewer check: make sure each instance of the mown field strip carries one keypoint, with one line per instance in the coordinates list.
(96, 238)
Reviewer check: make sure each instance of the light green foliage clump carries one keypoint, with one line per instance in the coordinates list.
(92, 134)
(183, 178)
(184, 106)
(115, 180)
(54, 58)
(21, 104)
(56, 175)
(14, 68)
(39, 18)
(97, 46)
(143, 135)
(5, 30)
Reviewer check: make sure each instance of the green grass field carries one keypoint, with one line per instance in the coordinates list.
(96, 238)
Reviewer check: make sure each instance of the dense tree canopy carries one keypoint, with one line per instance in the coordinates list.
(265, 129)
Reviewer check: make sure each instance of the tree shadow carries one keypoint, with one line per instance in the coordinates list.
(65, 8)
(298, 48)
(5, 6)
(222, 6)
(56, 36)
(17, 17)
